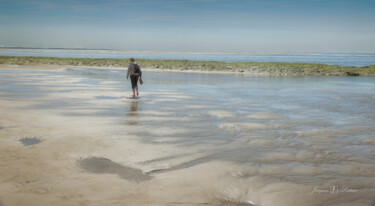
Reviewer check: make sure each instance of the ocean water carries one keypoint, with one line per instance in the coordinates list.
(342, 59)
(225, 138)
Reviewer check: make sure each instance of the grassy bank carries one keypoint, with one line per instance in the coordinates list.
(272, 68)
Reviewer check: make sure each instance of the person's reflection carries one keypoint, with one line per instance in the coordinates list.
(133, 113)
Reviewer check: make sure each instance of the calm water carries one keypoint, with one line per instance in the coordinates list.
(276, 138)
(328, 58)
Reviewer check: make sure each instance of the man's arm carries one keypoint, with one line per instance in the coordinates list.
(129, 68)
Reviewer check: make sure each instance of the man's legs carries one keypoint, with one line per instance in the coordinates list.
(133, 92)
(134, 80)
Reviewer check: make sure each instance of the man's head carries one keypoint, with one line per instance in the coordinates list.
(132, 59)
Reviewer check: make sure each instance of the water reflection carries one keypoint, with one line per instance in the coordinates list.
(133, 113)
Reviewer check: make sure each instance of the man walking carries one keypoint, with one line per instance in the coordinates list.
(134, 71)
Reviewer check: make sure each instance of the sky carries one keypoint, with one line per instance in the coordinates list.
(346, 26)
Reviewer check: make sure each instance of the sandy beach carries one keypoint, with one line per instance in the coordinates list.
(51, 171)
(72, 139)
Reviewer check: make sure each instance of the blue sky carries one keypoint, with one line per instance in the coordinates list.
(191, 25)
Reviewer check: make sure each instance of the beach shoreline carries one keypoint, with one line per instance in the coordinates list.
(63, 67)
(248, 68)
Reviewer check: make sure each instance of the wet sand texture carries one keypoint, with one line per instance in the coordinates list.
(30, 141)
(189, 140)
(101, 165)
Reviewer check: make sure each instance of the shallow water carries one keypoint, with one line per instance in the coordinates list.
(255, 140)
(106, 166)
(27, 141)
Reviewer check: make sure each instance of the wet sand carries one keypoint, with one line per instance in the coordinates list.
(70, 167)
(139, 153)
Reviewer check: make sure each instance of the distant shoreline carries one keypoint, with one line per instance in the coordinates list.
(98, 50)
(251, 68)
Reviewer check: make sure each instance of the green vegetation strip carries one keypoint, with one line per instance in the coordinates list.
(272, 68)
